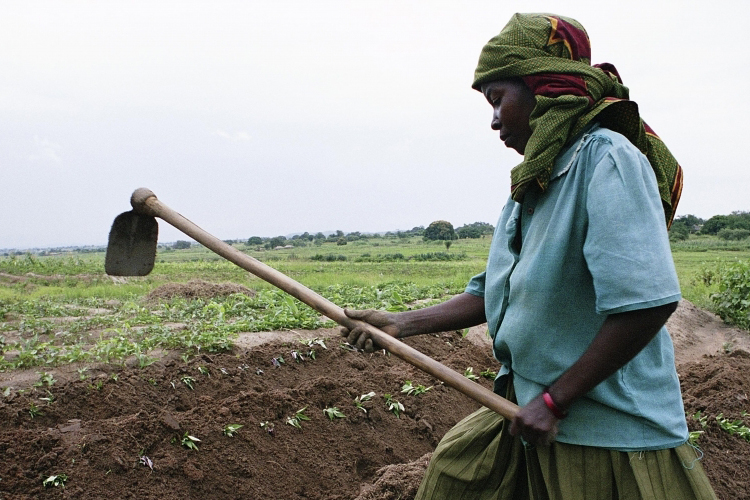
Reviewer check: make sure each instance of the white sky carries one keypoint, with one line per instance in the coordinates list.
(274, 117)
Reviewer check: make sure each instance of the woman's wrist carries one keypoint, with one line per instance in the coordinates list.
(558, 411)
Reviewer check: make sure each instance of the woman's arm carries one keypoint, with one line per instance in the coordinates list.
(462, 311)
(620, 338)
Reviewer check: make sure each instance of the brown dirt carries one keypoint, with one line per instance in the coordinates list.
(196, 289)
(97, 429)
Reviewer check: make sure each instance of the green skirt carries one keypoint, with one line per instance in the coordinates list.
(479, 460)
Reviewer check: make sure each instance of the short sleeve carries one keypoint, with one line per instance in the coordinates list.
(626, 246)
(476, 285)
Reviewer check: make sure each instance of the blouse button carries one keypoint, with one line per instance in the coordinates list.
(530, 211)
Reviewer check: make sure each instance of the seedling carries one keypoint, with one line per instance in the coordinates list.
(115, 377)
(188, 381)
(733, 427)
(6, 392)
(49, 398)
(34, 410)
(693, 437)
(268, 427)
(189, 441)
(97, 386)
(57, 480)
(360, 400)
(296, 356)
(349, 347)
(231, 429)
(258, 371)
(277, 362)
(296, 419)
(488, 374)
(469, 373)
(45, 379)
(702, 419)
(333, 413)
(393, 406)
(204, 371)
(82, 373)
(144, 460)
(413, 390)
(313, 342)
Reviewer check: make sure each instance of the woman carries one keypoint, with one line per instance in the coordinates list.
(578, 286)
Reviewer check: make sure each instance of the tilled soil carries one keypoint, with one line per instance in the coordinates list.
(118, 433)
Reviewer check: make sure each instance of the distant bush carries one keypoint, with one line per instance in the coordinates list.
(437, 256)
(180, 245)
(254, 240)
(733, 299)
(733, 234)
(327, 258)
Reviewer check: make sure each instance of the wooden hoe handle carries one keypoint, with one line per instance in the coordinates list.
(144, 201)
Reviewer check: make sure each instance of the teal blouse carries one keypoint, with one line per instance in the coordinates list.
(593, 244)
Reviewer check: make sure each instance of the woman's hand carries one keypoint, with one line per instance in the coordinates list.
(385, 321)
(536, 423)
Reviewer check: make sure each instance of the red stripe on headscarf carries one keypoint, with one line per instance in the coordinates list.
(574, 39)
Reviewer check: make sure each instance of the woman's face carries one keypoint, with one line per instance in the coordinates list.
(512, 103)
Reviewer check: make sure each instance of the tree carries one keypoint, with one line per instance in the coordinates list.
(475, 230)
(180, 244)
(254, 240)
(277, 241)
(439, 230)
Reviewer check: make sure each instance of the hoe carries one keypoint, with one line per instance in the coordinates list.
(131, 251)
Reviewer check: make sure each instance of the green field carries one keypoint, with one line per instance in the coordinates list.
(63, 308)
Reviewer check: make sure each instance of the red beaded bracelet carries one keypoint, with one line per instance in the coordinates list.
(556, 411)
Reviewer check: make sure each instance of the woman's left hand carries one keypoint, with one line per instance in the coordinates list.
(535, 423)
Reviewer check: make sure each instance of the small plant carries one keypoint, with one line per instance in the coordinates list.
(393, 406)
(702, 419)
(97, 386)
(360, 400)
(296, 419)
(231, 429)
(34, 410)
(333, 413)
(313, 342)
(45, 379)
(55, 481)
(144, 460)
(277, 361)
(469, 373)
(204, 371)
(489, 374)
(734, 427)
(693, 437)
(297, 357)
(413, 390)
(49, 398)
(188, 381)
(82, 373)
(144, 360)
(189, 442)
(114, 377)
(268, 427)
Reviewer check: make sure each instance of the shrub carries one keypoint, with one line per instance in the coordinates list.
(733, 234)
(733, 299)
(180, 244)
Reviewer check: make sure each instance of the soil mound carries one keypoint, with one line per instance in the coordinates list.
(196, 289)
(120, 432)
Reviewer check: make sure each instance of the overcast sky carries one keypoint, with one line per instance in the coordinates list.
(274, 117)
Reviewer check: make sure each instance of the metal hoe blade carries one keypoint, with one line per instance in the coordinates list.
(131, 250)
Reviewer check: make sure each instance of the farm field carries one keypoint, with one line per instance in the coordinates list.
(108, 383)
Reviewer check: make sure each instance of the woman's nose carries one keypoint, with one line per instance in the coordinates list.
(495, 123)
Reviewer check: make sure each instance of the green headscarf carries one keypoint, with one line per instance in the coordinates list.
(552, 55)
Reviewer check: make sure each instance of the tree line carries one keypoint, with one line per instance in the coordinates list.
(735, 226)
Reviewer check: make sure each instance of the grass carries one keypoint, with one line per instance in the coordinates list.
(64, 309)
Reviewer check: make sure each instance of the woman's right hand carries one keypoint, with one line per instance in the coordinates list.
(385, 321)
